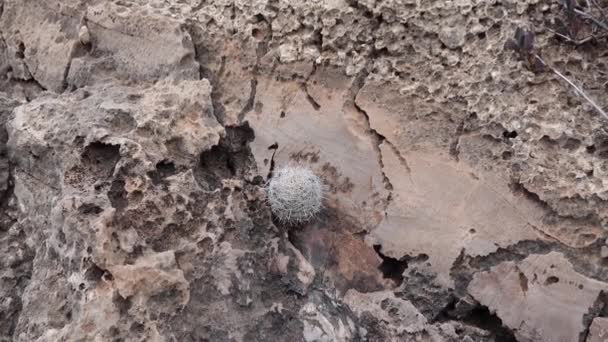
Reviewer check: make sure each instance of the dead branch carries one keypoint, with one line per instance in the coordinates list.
(574, 86)
(590, 17)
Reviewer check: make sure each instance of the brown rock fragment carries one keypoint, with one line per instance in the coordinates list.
(548, 305)
(598, 331)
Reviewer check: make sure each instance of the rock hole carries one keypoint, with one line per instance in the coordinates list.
(523, 282)
(137, 328)
(114, 331)
(230, 158)
(61, 237)
(572, 144)
(89, 209)
(118, 194)
(101, 159)
(20, 53)
(257, 34)
(391, 268)
(79, 140)
(274, 147)
(482, 318)
(163, 170)
(551, 280)
(94, 273)
(282, 114)
(123, 304)
(509, 134)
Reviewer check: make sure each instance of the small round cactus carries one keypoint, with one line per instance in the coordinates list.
(295, 194)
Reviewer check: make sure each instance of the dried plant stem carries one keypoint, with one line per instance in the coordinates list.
(560, 35)
(596, 21)
(599, 8)
(573, 41)
(576, 88)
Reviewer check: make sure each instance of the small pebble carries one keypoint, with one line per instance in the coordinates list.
(84, 36)
(604, 252)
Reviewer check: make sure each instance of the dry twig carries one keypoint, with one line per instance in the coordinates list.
(573, 85)
(590, 17)
(523, 43)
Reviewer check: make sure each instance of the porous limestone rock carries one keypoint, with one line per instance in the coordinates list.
(132, 192)
(530, 296)
(41, 38)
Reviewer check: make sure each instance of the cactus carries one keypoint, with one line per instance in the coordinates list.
(295, 194)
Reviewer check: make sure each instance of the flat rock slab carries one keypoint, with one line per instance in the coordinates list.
(441, 208)
(598, 331)
(542, 298)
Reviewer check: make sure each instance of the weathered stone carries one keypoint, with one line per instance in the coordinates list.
(298, 125)
(134, 44)
(604, 251)
(598, 331)
(41, 38)
(435, 196)
(395, 313)
(133, 204)
(6, 108)
(530, 296)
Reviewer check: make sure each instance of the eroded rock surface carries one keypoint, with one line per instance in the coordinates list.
(465, 192)
(531, 296)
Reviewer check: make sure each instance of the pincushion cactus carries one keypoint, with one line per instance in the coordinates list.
(295, 194)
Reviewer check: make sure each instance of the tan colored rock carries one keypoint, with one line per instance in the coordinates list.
(132, 43)
(441, 208)
(99, 315)
(542, 298)
(405, 117)
(294, 268)
(150, 276)
(321, 129)
(142, 168)
(181, 113)
(318, 326)
(144, 45)
(395, 313)
(40, 39)
(331, 246)
(598, 331)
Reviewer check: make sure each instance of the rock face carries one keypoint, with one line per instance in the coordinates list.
(465, 194)
(530, 297)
